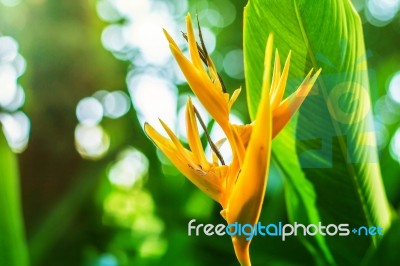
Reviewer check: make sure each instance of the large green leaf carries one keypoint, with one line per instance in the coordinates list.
(13, 249)
(335, 177)
(387, 252)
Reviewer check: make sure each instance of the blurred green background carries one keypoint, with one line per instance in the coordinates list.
(77, 81)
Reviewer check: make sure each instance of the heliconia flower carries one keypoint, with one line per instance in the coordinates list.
(240, 186)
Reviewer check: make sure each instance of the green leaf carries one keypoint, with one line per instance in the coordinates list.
(387, 252)
(13, 249)
(335, 177)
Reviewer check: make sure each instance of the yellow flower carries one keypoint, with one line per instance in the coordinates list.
(240, 186)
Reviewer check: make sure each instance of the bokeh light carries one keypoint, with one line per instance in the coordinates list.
(153, 247)
(107, 11)
(16, 125)
(146, 35)
(395, 146)
(91, 141)
(107, 260)
(8, 81)
(89, 111)
(384, 112)
(382, 134)
(233, 64)
(153, 98)
(140, 19)
(134, 210)
(19, 64)
(16, 128)
(10, 3)
(217, 15)
(8, 49)
(116, 104)
(381, 12)
(17, 102)
(394, 87)
(112, 38)
(130, 168)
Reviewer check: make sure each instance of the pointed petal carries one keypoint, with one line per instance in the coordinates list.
(194, 52)
(209, 182)
(193, 136)
(210, 97)
(267, 62)
(169, 149)
(282, 114)
(234, 97)
(218, 144)
(245, 202)
(179, 147)
(170, 39)
(208, 91)
(237, 145)
(276, 72)
(277, 94)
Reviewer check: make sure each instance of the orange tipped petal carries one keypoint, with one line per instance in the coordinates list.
(170, 39)
(194, 52)
(211, 98)
(279, 90)
(276, 71)
(210, 182)
(193, 136)
(245, 202)
(282, 114)
(178, 146)
(234, 97)
(267, 62)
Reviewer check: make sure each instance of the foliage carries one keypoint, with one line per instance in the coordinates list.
(13, 248)
(75, 214)
(335, 145)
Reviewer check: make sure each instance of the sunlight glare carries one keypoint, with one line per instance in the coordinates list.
(91, 141)
(107, 12)
(380, 12)
(394, 87)
(16, 128)
(147, 35)
(382, 134)
(19, 65)
(10, 3)
(8, 49)
(153, 98)
(18, 100)
(113, 39)
(384, 111)
(116, 104)
(89, 111)
(233, 64)
(131, 166)
(8, 84)
(395, 146)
